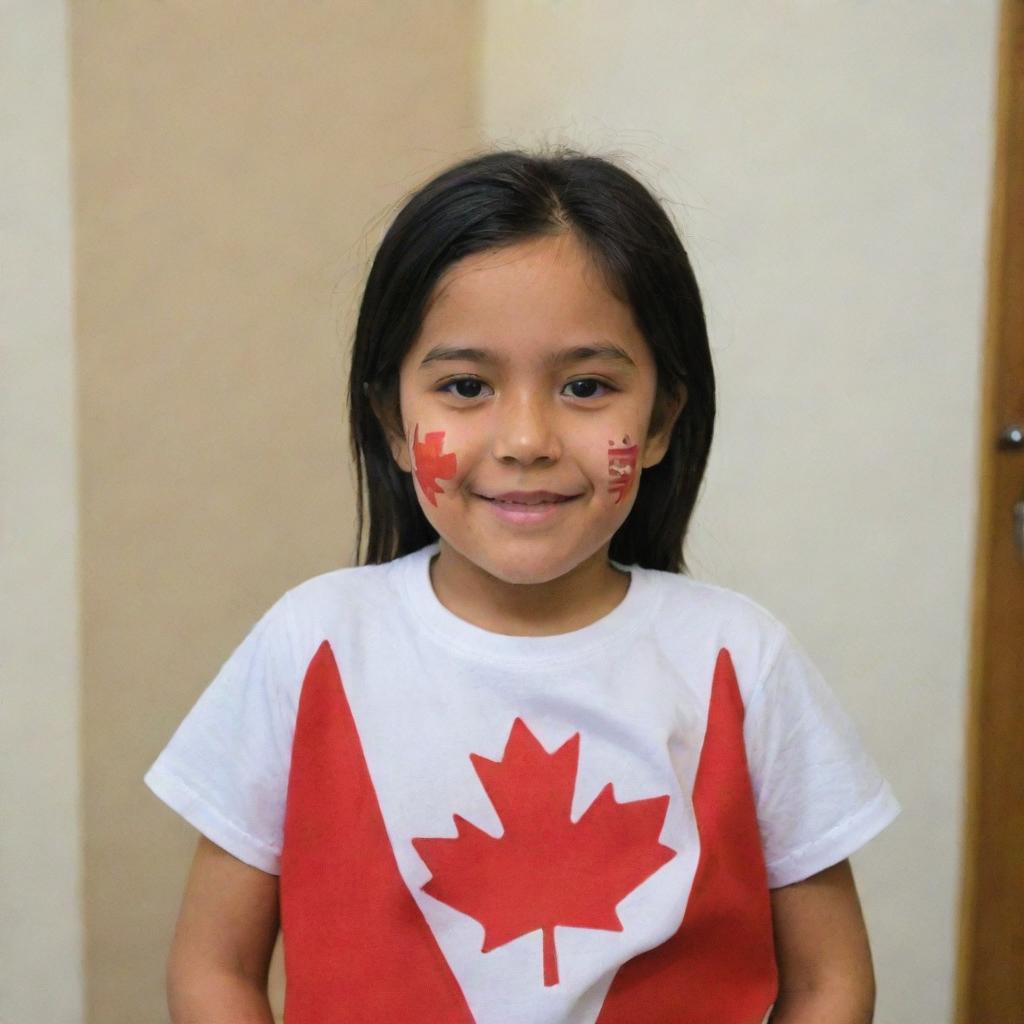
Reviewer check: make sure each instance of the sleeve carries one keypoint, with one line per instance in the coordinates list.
(819, 795)
(225, 769)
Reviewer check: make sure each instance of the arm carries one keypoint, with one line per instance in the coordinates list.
(223, 942)
(821, 945)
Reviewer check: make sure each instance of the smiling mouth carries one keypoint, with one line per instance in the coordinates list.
(527, 504)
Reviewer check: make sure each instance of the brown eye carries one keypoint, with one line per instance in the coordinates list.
(585, 383)
(469, 381)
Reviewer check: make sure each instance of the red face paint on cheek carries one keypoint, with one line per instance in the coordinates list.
(621, 467)
(431, 464)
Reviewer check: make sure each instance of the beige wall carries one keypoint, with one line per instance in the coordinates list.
(233, 165)
(829, 165)
(40, 860)
(233, 162)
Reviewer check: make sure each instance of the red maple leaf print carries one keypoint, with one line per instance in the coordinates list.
(431, 464)
(544, 870)
(621, 467)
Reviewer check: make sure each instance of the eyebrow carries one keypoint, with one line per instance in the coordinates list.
(579, 353)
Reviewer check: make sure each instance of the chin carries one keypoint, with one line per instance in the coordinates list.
(523, 577)
(525, 571)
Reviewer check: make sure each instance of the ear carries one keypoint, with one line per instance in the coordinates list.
(667, 408)
(389, 417)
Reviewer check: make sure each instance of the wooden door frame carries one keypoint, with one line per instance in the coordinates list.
(990, 967)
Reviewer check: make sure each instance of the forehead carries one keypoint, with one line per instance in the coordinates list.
(526, 300)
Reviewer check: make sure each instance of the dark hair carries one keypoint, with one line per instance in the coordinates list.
(498, 199)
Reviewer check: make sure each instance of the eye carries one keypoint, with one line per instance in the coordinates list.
(444, 389)
(587, 381)
(468, 387)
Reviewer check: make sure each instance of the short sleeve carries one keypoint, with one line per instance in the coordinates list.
(819, 794)
(225, 769)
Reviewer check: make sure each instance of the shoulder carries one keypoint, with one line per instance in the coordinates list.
(697, 616)
(349, 589)
(362, 583)
(343, 605)
(713, 604)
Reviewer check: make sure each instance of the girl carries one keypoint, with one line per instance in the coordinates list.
(518, 767)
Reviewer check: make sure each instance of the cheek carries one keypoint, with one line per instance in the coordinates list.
(431, 462)
(435, 460)
(622, 459)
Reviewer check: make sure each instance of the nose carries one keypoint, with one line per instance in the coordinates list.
(525, 429)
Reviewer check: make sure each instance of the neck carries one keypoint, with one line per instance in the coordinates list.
(571, 601)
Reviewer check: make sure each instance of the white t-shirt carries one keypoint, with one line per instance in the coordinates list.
(471, 826)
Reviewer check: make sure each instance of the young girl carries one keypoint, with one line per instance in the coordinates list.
(518, 767)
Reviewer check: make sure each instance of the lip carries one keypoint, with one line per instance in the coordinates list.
(528, 515)
(528, 497)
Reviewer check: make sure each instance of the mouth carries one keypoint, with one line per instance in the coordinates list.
(524, 514)
(528, 498)
(525, 506)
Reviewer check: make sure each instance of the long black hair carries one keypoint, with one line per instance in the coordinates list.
(497, 199)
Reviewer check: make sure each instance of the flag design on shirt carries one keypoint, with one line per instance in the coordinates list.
(357, 942)
(720, 965)
(544, 871)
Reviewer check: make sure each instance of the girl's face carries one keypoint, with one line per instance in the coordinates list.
(498, 395)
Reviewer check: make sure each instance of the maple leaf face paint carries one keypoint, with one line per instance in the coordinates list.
(621, 467)
(432, 464)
